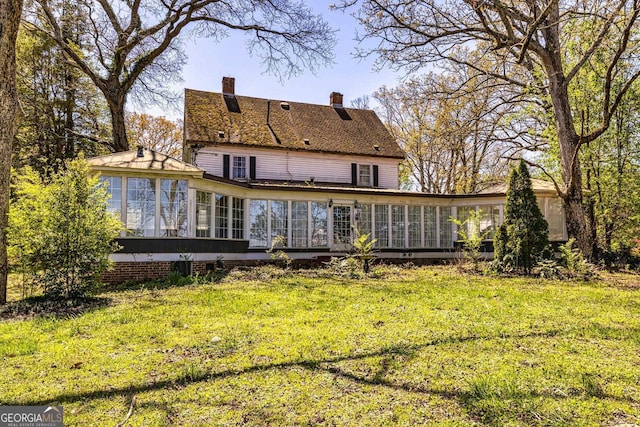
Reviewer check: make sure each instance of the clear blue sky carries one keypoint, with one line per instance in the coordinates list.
(210, 60)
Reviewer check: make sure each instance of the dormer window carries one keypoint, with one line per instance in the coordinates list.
(364, 175)
(239, 167)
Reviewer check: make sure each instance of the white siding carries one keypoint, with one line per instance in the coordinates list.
(300, 166)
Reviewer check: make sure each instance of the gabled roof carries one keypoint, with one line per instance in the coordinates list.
(214, 118)
(150, 160)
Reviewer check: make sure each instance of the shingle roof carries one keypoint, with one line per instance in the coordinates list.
(346, 131)
(150, 160)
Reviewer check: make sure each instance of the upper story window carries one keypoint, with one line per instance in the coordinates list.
(364, 175)
(239, 167)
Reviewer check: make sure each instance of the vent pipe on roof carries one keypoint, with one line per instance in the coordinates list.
(140, 151)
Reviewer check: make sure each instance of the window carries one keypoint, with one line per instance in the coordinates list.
(464, 213)
(415, 232)
(555, 218)
(114, 190)
(363, 219)
(173, 208)
(299, 224)
(258, 223)
(279, 219)
(489, 221)
(382, 225)
(222, 216)
(430, 227)
(446, 236)
(203, 214)
(397, 226)
(237, 219)
(318, 224)
(239, 167)
(364, 175)
(141, 206)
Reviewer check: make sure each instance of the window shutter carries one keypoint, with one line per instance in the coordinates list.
(375, 175)
(354, 174)
(226, 165)
(252, 167)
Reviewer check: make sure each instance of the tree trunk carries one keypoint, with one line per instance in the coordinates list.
(116, 103)
(10, 12)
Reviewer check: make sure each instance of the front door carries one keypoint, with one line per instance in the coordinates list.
(342, 230)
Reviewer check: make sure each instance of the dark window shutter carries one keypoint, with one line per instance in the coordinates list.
(375, 175)
(252, 167)
(226, 165)
(354, 174)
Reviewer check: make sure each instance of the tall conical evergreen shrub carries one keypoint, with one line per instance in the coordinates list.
(524, 234)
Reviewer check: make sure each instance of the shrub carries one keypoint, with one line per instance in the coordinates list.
(471, 235)
(521, 240)
(61, 233)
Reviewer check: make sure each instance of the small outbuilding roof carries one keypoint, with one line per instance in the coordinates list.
(538, 185)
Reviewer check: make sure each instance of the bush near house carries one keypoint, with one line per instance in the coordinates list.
(60, 233)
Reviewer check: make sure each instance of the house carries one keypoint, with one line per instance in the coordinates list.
(256, 170)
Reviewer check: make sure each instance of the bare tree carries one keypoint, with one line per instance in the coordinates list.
(535, 39)
(134, 46)
(10, 12)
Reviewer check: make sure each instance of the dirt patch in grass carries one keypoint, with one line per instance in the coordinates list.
(40, 306)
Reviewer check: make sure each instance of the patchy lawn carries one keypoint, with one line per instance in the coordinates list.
(412, 347)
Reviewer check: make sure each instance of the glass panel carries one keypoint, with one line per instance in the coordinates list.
(141, 206)
(258, 223)
(239, 167)
(382, 226)
(489, 221)
(364, 175)
(318, 224)
(173, 208)
(114, 189)
(341, 224)
(555, 218)
(446, 238)
(415, 237)
(279, 219)
(397, 226)
(237, 219)
(363, 219)
(463, 215)
(430, 227)
(299, 224)
(203, 214)
(222, 216)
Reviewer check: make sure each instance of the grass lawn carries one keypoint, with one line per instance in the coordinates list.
(410, 347)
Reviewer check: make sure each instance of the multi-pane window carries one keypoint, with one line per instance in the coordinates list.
(555, 218)
(466, 226)
(258, 223)
(318, 224)
(397, 226)
(239, 167)
(364, 175)
(222, 217)
(363, 219)
(430, 227)
(446, 237)
(237, 219)
(114, 189)
(141, 206)
(382, 225)
(489, 221)
(415, 232)
(299, 227)
(279, 219)
(173, 208)
(203, 214)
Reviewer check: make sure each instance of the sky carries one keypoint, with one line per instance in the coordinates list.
(209, 60)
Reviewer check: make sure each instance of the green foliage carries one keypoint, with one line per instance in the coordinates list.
(573, 260)
(521, 240)
(279, 256)
(469, 231)
(61, 234)
(363, 244)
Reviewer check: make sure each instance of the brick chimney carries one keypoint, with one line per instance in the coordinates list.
(336, 99)
(228, 86)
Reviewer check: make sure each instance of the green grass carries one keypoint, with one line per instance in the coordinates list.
(414, 347)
